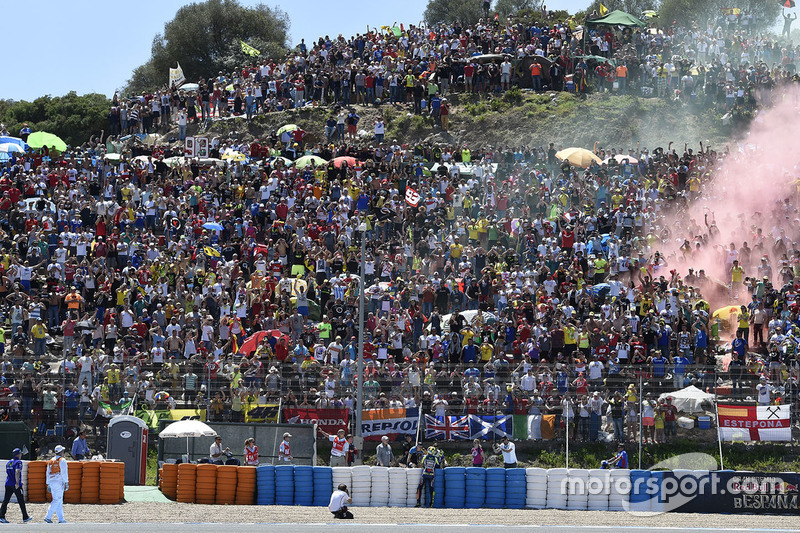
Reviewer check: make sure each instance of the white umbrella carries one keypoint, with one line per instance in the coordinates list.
(8, 148)
(187, 428)
(190, 86)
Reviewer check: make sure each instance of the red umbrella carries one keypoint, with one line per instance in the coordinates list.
(788, 3)
(351, 161)
(251, 343)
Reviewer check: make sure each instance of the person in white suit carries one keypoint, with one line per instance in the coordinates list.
(57, 484)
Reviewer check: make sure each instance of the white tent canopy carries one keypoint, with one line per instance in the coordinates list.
(688, 400)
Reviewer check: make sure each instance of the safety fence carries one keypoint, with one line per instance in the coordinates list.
(94, 482)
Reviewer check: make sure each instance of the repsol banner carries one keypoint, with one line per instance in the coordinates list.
(328, 420)
(687, 491)
(393, 423)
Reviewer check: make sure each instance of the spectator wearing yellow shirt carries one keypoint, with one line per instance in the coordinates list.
(39, 334)
(487, 350)
(737, 275)
(600, 268)
(466, 335)
(456, 249)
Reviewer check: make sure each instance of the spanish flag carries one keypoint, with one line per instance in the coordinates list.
(603, 10)
(235, 344)
(249, 50)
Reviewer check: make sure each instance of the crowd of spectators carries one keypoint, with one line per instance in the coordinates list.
(517, 283)
(724, 63)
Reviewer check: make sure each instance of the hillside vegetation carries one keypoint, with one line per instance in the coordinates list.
(519, 118)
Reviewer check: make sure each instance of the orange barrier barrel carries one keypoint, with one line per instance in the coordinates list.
(206, 486)
(245, 485)
(187, 479)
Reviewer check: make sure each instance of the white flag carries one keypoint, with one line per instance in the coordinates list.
(176, 77)
(412, 197)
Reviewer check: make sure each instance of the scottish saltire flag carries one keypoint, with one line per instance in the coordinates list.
(490, 427)
(447, 427)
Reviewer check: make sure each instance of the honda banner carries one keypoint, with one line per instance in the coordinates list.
(328, 420)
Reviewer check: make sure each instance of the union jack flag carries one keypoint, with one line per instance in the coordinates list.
(447, 428)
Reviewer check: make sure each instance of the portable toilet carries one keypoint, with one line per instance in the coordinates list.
(127, 442)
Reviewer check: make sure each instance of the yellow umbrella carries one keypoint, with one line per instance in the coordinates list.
(580, 157)
(728, 316)
(232, 155)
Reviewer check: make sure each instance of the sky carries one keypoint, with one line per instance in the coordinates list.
(93, 45)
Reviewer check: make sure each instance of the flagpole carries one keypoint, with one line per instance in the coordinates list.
(640, 420)
(566, 431)
(719, 434)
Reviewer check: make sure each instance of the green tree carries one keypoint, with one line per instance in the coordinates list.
(688, 12)
(508, 8)
(73, 118)
(449, 11)
(205, 38)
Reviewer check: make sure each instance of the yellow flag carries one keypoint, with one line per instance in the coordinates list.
(603, 10)
(249, 50)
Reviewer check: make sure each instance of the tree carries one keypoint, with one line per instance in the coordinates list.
(448, 11)
(688, 12)
(205, 39)
(507, 8)
(73, 118)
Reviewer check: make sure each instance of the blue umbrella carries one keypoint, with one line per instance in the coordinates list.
(213, 226)
(601, 289)
(11, 147)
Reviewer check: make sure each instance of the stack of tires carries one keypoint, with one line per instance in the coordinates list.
(398, 487)
(495, 488)
(639, 496)
(284, 485)
(362, 486)
(37, 481)
(557, 488)
(455, 487)
(109, 482)
(187, 479)
(227, 481)
(620, 489)
(25, 467)
(599, 488)
(168, 480)
(265, 485)
(656, 482)
(515, 488)
(379, 492)
(304, 485)
(578, 496)
(475, 487)
(342, 475)
(535, 488)
(206, 486)
(75, 471)
(438, 488)
(246, 485)
(413, 477)
(90, 482)
(323, 483)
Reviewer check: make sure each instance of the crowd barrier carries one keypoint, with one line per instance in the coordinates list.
(90, 482)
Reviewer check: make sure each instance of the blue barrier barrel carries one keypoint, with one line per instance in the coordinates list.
(438, 488)
(265, 485)
(656, 483)
(640, 490)
(284, 485)
(304, 485)
(495, 488)
(323, 485)
(475, 488)
(455, 487)
(515, 488)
